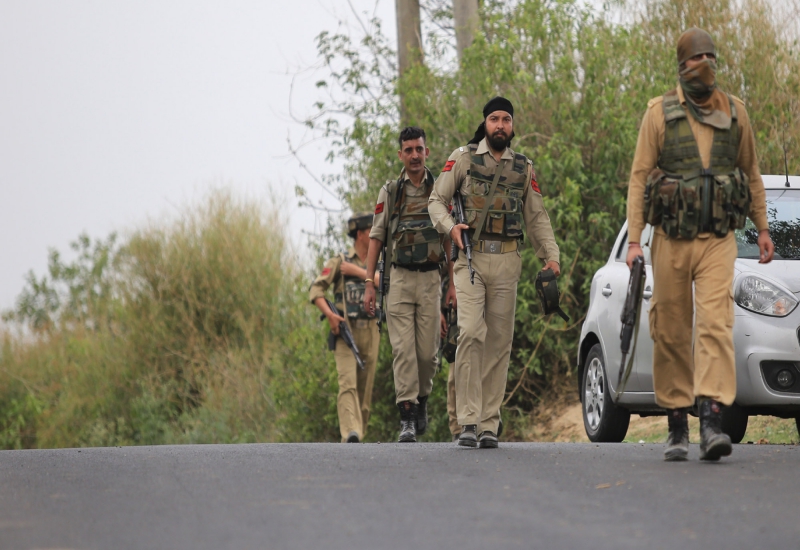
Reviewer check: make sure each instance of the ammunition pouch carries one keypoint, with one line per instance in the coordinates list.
(547, 290)
(699, 202)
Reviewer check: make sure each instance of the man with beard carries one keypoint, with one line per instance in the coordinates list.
(500, 193)
(695, 178)
(414, 249)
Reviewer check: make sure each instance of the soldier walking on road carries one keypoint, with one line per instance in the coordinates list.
(500, 194)
(415, 251)
(346, 272)
(695, 178)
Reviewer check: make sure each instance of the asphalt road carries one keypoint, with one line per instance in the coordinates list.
(335, 496)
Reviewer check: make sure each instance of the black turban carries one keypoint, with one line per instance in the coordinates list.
(495, 104)
(498, 104)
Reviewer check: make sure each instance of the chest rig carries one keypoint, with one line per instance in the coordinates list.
(685, 198)
(504, 217)
(349, 295)
(416, 240)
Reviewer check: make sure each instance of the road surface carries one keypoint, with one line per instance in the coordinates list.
(435, 495)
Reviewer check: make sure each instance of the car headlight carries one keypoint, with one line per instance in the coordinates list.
(760, 296)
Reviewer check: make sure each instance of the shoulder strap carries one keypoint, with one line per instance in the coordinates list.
(344, 293)
(672, 106)
(393, 191)
(489, 198)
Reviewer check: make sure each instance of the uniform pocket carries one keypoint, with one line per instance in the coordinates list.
(653, 319)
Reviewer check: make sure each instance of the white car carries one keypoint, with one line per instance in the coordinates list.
(765, 334)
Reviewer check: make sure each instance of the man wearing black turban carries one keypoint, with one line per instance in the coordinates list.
(500, 195)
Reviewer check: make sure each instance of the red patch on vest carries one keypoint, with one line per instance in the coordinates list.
(534, 184)
(448, 165)
(326, 272)
(379, 208)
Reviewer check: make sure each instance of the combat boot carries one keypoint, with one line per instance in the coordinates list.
(408, 422)
(422, 415)
(487, 440)
(713, 443)
(469, 436)
(678, 438)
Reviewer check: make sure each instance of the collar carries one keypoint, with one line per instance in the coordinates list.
(428, 180)
(681, 96)
(483, 148)
(351, 253)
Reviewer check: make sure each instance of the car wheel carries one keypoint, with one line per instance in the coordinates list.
(602, 419)
(734, 422)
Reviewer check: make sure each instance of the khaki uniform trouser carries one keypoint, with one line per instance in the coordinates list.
(486, 328)
(452, 417)
(355, 386)
(681, 373)
(412, 318)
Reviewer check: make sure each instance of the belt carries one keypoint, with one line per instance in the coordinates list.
(419, 267)
(494, 247)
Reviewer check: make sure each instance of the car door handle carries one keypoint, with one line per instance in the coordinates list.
(607, 290)
(648, 293)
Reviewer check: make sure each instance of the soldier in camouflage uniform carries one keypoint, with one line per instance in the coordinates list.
(346, 272)
(414, 249)
(500, 194)
(695, 178)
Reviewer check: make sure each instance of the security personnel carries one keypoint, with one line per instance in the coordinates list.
(487, 167)
(346, 272)
(695, 178)
(415, 251)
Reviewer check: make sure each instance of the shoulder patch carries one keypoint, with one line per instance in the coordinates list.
(448, 165)
(325, 272)
(379, 208)
(534, 183)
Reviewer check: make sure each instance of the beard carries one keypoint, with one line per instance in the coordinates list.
(498, 141)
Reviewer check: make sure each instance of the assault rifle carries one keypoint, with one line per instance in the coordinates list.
(383, 287)
(344, 334)
(460, 216)
(630, 321)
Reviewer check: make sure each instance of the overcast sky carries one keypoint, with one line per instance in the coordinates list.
(113, 113)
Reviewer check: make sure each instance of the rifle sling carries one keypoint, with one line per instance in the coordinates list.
(344, 295)
(489, 199)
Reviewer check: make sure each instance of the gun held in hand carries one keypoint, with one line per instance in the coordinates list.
(630, 321)
(344, 334)
(460, 216)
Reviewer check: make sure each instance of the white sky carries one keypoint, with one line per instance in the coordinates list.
(113, 113)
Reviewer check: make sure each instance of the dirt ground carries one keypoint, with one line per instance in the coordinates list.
(564, 423)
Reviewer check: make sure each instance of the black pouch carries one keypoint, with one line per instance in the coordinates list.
(547, 290)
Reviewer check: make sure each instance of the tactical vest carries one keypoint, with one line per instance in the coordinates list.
(417, 241)
(352, 300)
(683, 197)
(504, 218)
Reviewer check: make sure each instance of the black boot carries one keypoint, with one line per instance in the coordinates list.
(469, 436)
(422, 415)
(678, 438)
(713, 443)
(408, 421)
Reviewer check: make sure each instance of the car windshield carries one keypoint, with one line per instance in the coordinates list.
(783, 215)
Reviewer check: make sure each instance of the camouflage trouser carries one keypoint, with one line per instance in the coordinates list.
(412, 317)
(486, 328)
(682, 369)
(355, 386)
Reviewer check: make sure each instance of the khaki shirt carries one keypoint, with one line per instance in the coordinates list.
(537, 222)
(380, 222)
(651, 142)
(332, 275)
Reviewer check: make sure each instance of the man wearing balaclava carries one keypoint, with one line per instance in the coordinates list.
(500, 194)
(695, 179)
